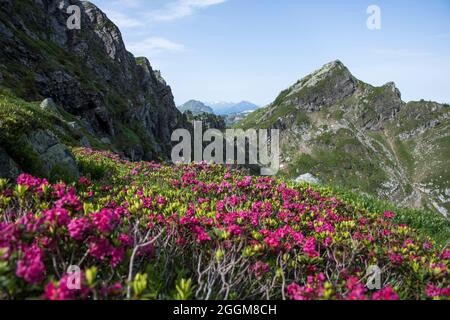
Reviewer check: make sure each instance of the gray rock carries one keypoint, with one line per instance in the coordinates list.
(74, 125)
(8, 168)
(42, 140)
(55, 156)
(308, 178)
(49, 105)
(105, 140)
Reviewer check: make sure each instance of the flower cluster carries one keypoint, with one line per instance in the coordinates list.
(134, 228)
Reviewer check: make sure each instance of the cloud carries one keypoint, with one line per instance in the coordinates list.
(154, 46)
(123, 21)
(127, 3)
(182, 8)
(402, 53)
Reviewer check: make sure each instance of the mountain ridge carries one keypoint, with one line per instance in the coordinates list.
(230, 108)
(362, 137)
(195, 107)
(114, 96)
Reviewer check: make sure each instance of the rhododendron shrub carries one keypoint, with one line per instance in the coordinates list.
(140, 230)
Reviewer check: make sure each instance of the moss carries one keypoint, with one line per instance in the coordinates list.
(18, 118)
(23, 154)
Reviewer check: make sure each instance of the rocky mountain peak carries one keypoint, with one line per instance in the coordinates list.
(327, 71)
(363, 137)
(392, 86)
(195, 107)
(107, 31)
(320, 89)
(88, 73)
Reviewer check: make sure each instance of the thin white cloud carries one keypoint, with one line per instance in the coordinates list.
(127, 3)
(154, 46)
(122, 20)
(182, 8)
(403, 53)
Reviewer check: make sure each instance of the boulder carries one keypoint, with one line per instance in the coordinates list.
(308, 178)
(49, 105)
(105, 140)
(56, 157)
(8, 168)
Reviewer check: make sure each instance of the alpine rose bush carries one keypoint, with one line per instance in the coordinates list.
(150, 231)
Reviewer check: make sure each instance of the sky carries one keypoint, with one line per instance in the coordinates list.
(233, 50)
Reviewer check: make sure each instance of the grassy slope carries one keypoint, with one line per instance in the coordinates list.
(341, 159)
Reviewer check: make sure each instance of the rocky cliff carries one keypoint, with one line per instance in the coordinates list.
(107, 97)
(362, 137)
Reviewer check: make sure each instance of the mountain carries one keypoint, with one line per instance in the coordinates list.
(362, 137)
(233, 118)
(229, 108)
(195, 107)
(97, 93)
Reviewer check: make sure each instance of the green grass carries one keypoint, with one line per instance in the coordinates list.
(427, 222)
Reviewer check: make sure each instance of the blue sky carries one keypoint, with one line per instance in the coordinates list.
(232, 50)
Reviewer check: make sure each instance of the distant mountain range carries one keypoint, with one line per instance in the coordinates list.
(229, 108)
(218, 108)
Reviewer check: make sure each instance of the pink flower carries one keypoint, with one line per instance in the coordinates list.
(396, 258)
(446, 255)
(31, 267)
(427, 246)
(314, 289)
(272, 241)
(356, 289)
(117, 255)
(57, 216)
(78, 228)
(389, 215)
(62, 290)
(69, 200)
(309, 247)
(433, 292)
(202, 235)
(259, 268)
(100, 248)
(30, 181)
(125, 240)
(385, 294)
(161, 201)
(84, 181)
(105, 220)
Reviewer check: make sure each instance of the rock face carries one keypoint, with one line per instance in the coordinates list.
(8, 168)
(56, 158)
(88, 72)
(320, 89)
(362, 137)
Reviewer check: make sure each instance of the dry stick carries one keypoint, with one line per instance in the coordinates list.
(133, 255)
(283, 284)
(83, 258)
